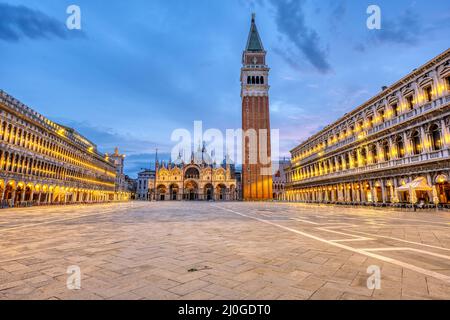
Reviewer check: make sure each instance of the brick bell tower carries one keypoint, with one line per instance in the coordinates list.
(256, 155)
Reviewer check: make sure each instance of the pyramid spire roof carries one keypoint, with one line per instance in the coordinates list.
(254, 43)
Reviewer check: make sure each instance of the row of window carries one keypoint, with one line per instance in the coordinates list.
(255, 80)
(52, 147)
(381, 115)
(395, 148)
(16, 163)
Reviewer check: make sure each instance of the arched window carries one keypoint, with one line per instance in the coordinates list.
(363, 155)
(428, 91)
(410, 101)
(436, 137)
(192, 173)
(394, 108)
(253, 80)
(249, 80)
(262, 80)
(381, 115)
(257, 80)
(416, 142)
(400, 147)
(386, 151)
(374, 152)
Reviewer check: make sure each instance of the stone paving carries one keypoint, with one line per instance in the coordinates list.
(200, 250)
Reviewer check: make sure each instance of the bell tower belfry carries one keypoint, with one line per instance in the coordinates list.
(256, 155)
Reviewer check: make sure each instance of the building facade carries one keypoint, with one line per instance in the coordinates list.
(42, 162)
(279, 180)
(200, 179)
(256, 153)
(124, 184)
(145, 185)
(392, 149)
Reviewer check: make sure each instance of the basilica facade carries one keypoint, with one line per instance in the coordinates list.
(198, 179)
(393, 149)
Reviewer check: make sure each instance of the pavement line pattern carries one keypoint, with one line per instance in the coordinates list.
(66, 219)
(305, 221)
(399, 263)
(408, 249)
(402, 240)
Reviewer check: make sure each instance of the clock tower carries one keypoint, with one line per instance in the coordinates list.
(256, 155)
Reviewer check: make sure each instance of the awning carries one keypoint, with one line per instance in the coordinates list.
(420, 184)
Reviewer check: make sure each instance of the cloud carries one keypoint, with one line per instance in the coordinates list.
(337, 14)
(290, 20)
(18, 22)
(406, 29)
(107, 138)
(140, 153)
(136, 162)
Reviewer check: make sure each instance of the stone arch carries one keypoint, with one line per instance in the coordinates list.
(221, 192)
(435, 133)
(174, 191)
(400, 146)
(386, 150)
(10, 192)
(233, 194)
(191, 190)
(192, 173)
(416, 142)
(208, 191)
(161, 191)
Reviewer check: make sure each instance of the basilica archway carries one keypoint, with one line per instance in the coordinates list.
(191, 190)
(174, 190)
(221, 192)
(209, 192)
(161, 192)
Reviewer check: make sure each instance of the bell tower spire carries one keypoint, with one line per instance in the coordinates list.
(256, 162)
(254, 43)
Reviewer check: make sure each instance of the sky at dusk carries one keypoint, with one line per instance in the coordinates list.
(139, 69)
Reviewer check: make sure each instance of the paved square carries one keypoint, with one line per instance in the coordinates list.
(199, 250)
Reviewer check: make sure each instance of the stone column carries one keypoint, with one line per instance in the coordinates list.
(340, 194)
(22, 195)
(344, 164)
(426, 146)
(393, 148)
(370, 159)
(363, 192)
(13, 197)
(394, 196)
(383, 191)
(351, 161)
(408, 146)
(373, 192)
(445, 140)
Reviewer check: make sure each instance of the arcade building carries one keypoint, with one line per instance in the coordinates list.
(43, 162)
(393, 149)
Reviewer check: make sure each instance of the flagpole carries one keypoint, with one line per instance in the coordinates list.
(156, 174)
